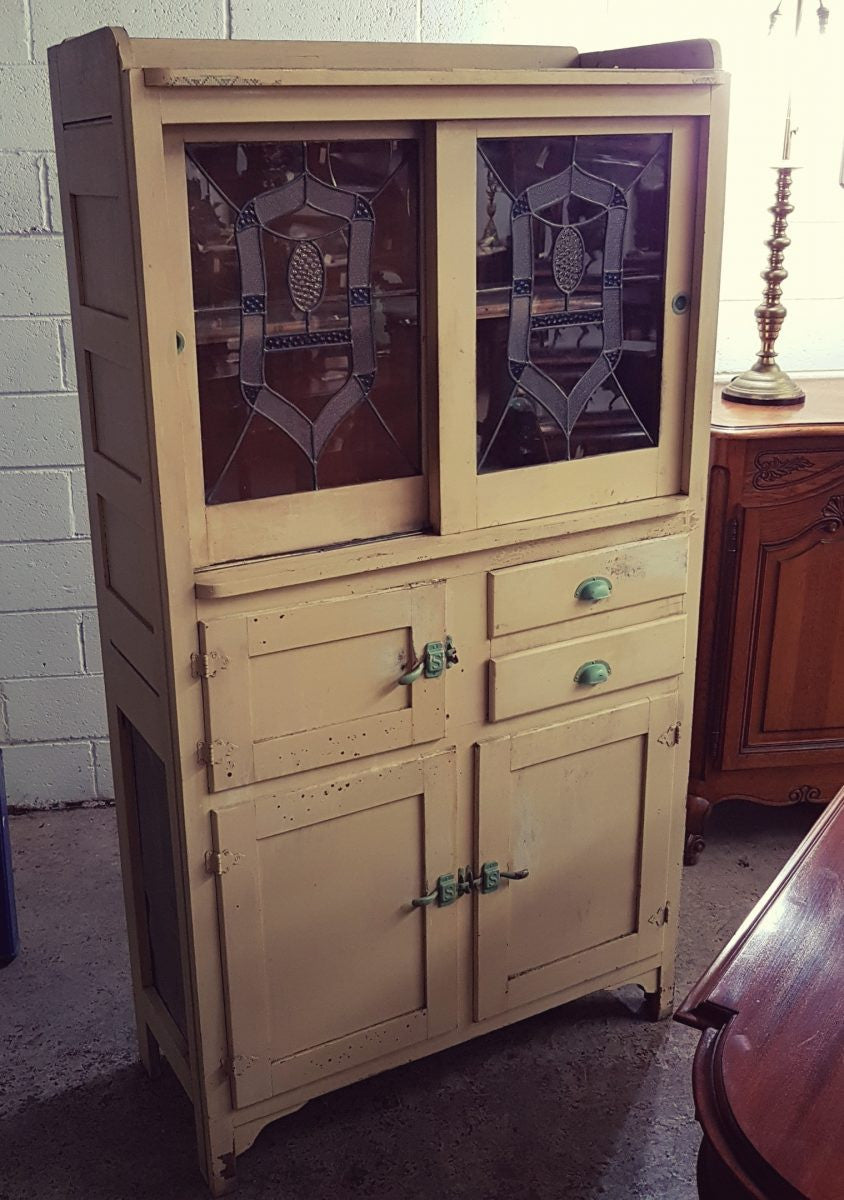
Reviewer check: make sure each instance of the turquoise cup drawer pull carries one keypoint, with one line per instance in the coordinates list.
(592, 673)
(591, 590)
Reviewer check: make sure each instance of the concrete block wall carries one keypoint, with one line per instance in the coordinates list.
(52, 722)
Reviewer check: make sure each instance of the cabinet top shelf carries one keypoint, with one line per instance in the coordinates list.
(183, 63)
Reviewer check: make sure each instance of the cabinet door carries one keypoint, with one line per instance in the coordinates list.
(306, 686)
(585, 807)
(327, 965)
(582, 246)
(785, 699)
(301, 309)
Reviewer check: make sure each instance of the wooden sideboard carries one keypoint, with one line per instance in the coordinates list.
(769, 707)
(768, 1076)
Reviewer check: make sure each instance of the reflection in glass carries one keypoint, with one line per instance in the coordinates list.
(305, 282)
(571, 275)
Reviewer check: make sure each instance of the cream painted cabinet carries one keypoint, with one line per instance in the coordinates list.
(394, 370)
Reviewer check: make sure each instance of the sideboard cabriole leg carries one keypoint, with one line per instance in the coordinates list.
(697, 815)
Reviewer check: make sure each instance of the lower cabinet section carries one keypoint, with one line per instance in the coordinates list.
(339, 902)
(327, 963)
(584, 808)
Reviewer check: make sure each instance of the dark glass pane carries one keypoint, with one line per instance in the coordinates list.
(571, 278)
(306, 293)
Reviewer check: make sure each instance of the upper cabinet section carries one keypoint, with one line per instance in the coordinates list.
(404, 290)
(305, 272)
(571, 279)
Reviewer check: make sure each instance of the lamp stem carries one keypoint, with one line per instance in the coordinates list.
(765, 382)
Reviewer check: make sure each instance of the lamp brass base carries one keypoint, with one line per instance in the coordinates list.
(763, 384)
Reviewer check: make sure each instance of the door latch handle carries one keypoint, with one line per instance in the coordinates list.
(488, 880)
(434, 659)
(444, 893)
(415, 673)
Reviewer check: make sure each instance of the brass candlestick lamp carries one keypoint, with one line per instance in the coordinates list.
(766, 382)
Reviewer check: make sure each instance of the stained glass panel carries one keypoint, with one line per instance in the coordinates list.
(570, 279)
(305, 281)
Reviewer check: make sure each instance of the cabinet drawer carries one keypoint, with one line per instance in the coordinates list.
(545, 677)
(544, 593)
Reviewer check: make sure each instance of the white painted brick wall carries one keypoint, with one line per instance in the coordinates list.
(52, 718)
(51, 711)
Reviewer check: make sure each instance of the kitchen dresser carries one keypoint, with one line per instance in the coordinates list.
(395, 366)
(769, 713)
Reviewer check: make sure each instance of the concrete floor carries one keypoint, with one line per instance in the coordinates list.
(585, 1101)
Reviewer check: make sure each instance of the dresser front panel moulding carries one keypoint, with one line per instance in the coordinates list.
(395, 435)
(769, 719)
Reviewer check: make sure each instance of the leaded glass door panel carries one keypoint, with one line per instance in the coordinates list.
(304, 343)
(583, 260)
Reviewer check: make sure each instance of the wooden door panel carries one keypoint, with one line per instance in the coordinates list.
(318, 683)
(585, 807)
(336, 866)
(783, 698)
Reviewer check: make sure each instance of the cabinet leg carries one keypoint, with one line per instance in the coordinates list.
(149, 1051)
(697, 814)
(659, 1005)
(219, 1167)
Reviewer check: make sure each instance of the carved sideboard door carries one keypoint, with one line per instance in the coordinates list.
(769, 712)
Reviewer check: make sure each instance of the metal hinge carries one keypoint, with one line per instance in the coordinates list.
(731, 536)
(217, 862)
(661, 915)
(206, 666)
(671, 737)
(210, 754)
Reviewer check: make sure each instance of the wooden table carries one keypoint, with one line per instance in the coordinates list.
(769, 1071)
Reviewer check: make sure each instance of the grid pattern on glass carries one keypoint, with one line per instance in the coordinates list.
(304, 261)
(571, 273)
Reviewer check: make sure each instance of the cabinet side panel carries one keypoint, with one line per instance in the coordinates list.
(94, 187)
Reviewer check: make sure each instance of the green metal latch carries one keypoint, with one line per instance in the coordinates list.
(488, 880)
(596, 588)
(592, 673)
(435, 658)
(444, 893)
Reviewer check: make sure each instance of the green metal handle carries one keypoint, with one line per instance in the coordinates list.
(416, 673)
(592, 673)
(593, 589)
(488, 880)
(434, 659)
(444, 893)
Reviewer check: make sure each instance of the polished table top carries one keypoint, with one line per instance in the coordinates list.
(823, 410)
(769, 1070)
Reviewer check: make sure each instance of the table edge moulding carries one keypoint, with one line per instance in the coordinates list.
(387, 708)
(773, 557)
(767, 1011)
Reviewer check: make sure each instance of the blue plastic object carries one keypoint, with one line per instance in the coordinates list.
(9, 941)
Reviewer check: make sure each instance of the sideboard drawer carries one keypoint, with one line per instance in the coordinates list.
(548, 675)
(561, 589)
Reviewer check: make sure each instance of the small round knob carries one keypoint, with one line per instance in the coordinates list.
(593, 589)
(592, 673)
